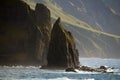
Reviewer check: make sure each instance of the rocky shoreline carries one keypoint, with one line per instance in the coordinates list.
(28, 38)
(102, 69)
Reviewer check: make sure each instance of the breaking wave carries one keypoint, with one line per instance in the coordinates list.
(35, 73)
(62, 78)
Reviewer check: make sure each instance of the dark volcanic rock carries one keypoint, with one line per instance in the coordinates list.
(103, 67)
(86, 68)
(14, 12)
(24, 33)
(62, 50)
(70, 70)
(43, 22)
(16, 32)
(25, 37)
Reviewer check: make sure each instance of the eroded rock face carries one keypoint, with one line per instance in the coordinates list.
(62, 50)
(43, 22)
(16, 32)
(25, 37)
(24, 33)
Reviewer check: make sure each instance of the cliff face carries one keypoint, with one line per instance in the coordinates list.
(41, 33)
(43, 22)
(25, 37)
(24, 33)
(16, 30)
(62, 50)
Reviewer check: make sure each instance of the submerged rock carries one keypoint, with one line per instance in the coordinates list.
(62, 50)
(86, 68)
(71, 69)
(102, 69)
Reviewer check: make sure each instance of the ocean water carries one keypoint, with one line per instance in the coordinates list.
(34, 73)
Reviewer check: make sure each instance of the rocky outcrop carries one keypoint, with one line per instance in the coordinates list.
(70, 69)
(43, 22)
(62, 50)
(103, 69)
(25, 37)
(16, 32)
(24, 33)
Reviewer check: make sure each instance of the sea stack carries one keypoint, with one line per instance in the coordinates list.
(62, 50)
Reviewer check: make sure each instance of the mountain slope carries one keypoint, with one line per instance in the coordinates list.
(94, 24)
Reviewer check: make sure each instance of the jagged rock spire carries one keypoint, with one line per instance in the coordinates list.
(62, 51)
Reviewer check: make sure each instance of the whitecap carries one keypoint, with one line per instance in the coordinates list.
(65, 78)
(62, 78)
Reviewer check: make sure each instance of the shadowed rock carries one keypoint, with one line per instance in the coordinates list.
(70, 70)
(17, 31)
(43, 22)
(62, 50)
(25, 37)
(24, 33)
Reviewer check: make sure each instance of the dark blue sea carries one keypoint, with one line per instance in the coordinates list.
(34, 73)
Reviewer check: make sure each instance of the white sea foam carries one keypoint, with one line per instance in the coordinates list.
(34, 73)
(20, 66)
(62, 78)
(65, 78)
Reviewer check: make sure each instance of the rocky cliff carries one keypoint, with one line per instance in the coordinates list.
(43, 22)
(24, 33)
(25, 37)
(16, 32)
(62, 50)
